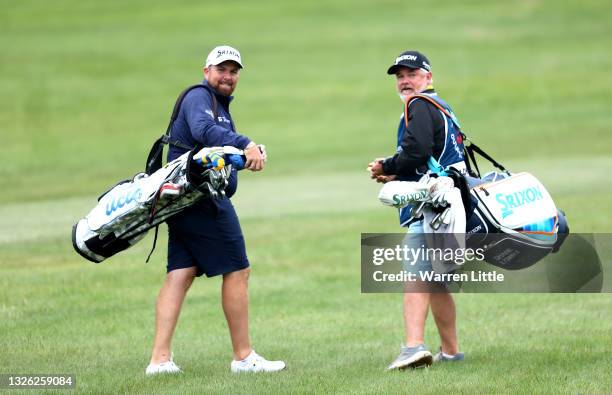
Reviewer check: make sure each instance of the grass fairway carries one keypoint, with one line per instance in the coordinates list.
(87, 86)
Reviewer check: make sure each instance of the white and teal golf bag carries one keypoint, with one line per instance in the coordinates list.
(513, 217)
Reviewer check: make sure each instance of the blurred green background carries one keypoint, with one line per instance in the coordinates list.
(87, 87)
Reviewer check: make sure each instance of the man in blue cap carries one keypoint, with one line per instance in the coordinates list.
(427, 129)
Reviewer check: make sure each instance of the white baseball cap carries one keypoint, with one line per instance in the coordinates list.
(222, 53)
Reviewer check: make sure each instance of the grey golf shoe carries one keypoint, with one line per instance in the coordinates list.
(439, 357)
(412, 357)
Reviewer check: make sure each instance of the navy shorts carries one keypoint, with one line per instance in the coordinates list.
(207, 236)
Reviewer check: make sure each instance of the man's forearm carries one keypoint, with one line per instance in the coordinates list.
(407, 162)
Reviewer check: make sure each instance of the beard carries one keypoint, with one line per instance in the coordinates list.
(225, 89)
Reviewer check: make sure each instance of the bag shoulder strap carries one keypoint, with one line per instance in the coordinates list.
(177, 109)
(453, 118)
(471, 148)
(154, 159)
(430, 100)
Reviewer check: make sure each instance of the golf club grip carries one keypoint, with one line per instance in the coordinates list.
(238, 161)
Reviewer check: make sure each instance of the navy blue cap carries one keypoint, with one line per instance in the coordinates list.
(410, 59)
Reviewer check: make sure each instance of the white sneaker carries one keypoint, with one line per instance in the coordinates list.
(256, 363)
(168, 367)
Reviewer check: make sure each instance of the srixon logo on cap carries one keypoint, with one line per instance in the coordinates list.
(405, 57)
(222, 52)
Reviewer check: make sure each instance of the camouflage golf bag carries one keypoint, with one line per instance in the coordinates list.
(125, 213)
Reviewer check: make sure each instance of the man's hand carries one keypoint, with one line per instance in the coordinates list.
(264, 154)
(255, 160)
(384, 179)
(376, 169)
